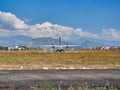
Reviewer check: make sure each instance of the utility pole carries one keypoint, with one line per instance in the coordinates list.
(60, 41)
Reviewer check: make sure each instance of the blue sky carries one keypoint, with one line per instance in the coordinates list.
(91, 15)
(99, 19)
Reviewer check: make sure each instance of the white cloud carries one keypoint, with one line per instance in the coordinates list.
(10, 21)
(111, 34)
(4, 32)
(10, 25)
(81, 33)
(54, 30)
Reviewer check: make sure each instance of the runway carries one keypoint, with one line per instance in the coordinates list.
(42, 78)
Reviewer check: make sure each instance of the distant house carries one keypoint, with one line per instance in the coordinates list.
(16, 48)
(116, 47)
(105, 48)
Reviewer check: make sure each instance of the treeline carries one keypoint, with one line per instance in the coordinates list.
(3, 48)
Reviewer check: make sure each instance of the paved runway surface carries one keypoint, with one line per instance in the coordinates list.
(25, 78)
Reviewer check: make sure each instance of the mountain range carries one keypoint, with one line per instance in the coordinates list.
(91, 44)
(38, 42)
(13, 40)
(45, 41)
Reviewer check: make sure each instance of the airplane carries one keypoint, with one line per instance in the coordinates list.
(60, 47)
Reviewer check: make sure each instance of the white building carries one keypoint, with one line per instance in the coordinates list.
(16, 48)
(105, 48)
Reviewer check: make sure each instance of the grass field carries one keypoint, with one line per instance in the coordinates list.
(85, 86)
(39, 59)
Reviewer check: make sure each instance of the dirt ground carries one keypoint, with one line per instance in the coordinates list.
(56, 66)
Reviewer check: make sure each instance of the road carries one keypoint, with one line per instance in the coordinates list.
(42, 78)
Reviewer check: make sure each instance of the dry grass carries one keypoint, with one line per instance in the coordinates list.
(39, 59)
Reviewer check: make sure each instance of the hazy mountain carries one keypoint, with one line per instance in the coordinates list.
(45, 41)
(14, 40)
(37, 42)
(91, 44)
